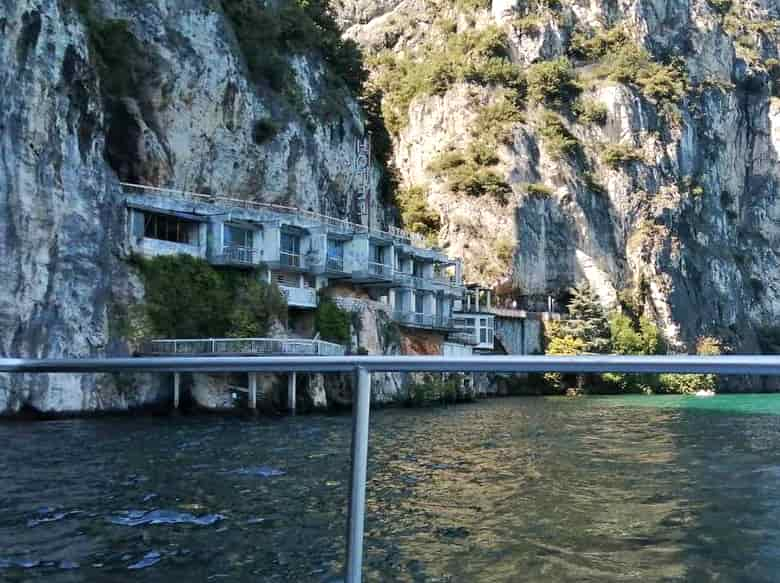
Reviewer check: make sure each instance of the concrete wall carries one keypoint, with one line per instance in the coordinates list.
(520, 335)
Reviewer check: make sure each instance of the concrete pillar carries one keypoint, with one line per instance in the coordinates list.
(176, 385)
(291, 379)
(488, 301)
(253, 390)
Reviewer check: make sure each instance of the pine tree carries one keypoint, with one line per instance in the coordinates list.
(587, 320)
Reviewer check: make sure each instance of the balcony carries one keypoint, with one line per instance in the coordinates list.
(334, 266)
(300, 297)
(235, 256)
(242, 347)
(428, 321)
(290, 259)
(377, 273)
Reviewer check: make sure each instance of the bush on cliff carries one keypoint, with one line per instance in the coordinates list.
(331, 322)
(185, 297)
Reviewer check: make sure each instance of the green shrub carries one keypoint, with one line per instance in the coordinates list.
(617, 155)
(527, 25)
(633, 65)
(627, 338)
(493, 121)
(592, 47)
(558, 140)
(264, 130)
(538, 190)
(431, 389)
(187, 298)
(552, 82)
(332, 323)
(479, 57)
(505, 250)
(722, 7)
(690, 383)
(416, 215)
(266, 34)
(590, 112)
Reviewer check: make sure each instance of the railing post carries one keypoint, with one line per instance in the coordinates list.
(291, 381)
(176, 385)
(361, 404)
(253, 390)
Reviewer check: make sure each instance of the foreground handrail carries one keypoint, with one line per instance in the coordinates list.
(363, 366)
(724, 365)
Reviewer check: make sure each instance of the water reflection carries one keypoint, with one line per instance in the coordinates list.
(503, 491)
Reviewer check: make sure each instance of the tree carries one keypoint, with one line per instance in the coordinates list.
(587, 320)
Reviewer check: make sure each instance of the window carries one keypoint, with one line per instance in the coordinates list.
(418, 269)
(419, 302)
(290, 250)
(335, 255)
(377, 254)
(238, 237)
(170, 228)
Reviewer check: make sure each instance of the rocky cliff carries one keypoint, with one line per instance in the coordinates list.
(161, 92)
(633, 143)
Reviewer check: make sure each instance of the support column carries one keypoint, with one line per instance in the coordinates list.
(361, 405)
(291, 380)
(253, 390)
(176, 385)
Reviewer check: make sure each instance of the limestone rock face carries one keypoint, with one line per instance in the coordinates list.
(688, 227)
(187, 120)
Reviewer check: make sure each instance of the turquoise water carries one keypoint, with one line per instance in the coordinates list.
(666, 489)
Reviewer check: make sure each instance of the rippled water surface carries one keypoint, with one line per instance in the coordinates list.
(553, 490)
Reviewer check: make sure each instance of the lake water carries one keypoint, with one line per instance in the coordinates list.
(594, 489)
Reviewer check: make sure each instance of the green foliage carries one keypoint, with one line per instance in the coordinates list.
(626, 338)
(468, 173)
(590, 112)
(187, 298)
(633, 65)
(256, 305)
(505, 250)
(493, 121)
(264, 130)
(587, 321)
(431, 389)
(122, 61)
(538, 190)
(479, 57)
(552, 82)
(591, 47)
(558, 140)
(722, 7)
(686, 384)
(526, 25)
(332, 323)
(472, 5)
(617, 155)
(416, 215)
(266, 34)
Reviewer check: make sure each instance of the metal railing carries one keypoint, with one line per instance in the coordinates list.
(418, 320)
(236, 255)
(300, 296)
(464, 338)
(363, 366)
(335, 264)
(381, 269)
(289, 259)
(340, 225)
(251, 346)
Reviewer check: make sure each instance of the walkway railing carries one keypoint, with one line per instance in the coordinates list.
(248, 346)
(336, 224)
(363, 366)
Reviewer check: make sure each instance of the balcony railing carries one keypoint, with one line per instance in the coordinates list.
(464, 338)
(290, 259)
(380, 269)
(247, 346)
(235, 255)
(300, 297)
(417, 320)
(335, 264)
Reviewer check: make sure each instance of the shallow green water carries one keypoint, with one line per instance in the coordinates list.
(595, 489)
